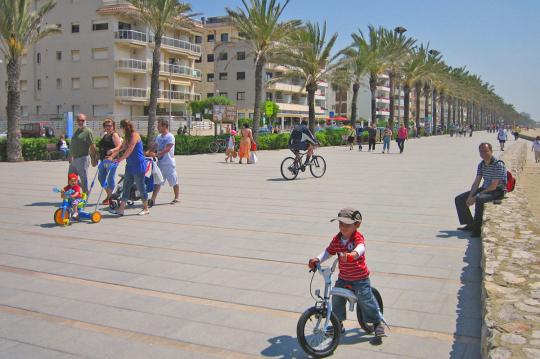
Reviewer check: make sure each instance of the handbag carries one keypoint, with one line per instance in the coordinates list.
(253, 146)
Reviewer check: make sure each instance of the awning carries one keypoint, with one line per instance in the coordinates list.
(339, 118)
(179, 83)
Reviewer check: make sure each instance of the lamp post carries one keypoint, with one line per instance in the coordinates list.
(399, 30)
(433, 53)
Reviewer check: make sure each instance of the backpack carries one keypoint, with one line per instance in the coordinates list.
(510, 179)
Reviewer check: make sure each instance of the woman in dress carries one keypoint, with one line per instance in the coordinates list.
(245, 143)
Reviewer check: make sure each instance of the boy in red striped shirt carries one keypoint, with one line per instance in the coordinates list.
(348, 244)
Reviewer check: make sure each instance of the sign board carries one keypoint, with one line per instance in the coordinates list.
(224, 113)
(331, 114)
(269, 108)
(69, 124)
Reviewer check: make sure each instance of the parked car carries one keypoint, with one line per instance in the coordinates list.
(264, 131)
(37, 129)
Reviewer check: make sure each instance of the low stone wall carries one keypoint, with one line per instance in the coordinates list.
(511, 273)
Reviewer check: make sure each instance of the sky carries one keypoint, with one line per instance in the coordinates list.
(498, 40)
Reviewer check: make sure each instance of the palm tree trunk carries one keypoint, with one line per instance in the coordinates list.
(392, 90)
(449, 110)
(418, 91)
(442, 112)
(434, 109)
(154, 89)
(355, 89)
(407, 105)
(258, 94)
(311, 89)
(454, 110)
(373, 89)
(426, 102)
(13, 109)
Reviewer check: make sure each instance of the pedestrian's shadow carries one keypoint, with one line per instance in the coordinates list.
(453, 234)
(43, 204)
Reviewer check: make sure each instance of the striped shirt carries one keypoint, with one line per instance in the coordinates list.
(350, 271)
(495, 170)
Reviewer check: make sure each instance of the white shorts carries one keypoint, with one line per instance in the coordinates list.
(169, 175)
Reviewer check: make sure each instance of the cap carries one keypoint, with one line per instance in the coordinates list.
(348, 215)
(73, 176)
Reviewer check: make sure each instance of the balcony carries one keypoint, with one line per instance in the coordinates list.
(179, 71)
(383, 100)
(131, 37)
(131, 65)
(178, 96)
(383, 88)
(285, 87)
(131, 94)
(181, 46)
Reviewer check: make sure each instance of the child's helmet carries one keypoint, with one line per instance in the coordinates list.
(73, 176)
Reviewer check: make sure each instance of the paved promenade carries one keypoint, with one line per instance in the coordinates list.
(223, 274)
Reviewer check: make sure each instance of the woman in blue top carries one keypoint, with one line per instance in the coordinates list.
(135, 167)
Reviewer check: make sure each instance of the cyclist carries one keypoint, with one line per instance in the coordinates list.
(301, 140)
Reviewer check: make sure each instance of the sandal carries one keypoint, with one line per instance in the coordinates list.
(143, 213)
(174, 201)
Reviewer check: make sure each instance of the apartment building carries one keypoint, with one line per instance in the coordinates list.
(101, 64)
(228, 69)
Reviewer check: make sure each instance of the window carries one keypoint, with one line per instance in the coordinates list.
(38, 110)
(75, 55)
(268, 76)
(100, 110)
(224, 37)
(224, 94)
(210, 77)
(210, 94)
(58, 83)
(75, 27)
(24, 85)
(210, 38)
(76, 109)
(97, 26)
(269, 96)
(99, 82)
(24, 110)
(240, 55)
(59, 26)
(210, 58)
(38, 84)
(75, 83)
(198, 39)
(100, 53)
(240, 96)
(38, 57)
(198, 60)
(240, 75)
(223, 76)
(222, 56)
(58, 109)
(59, 55)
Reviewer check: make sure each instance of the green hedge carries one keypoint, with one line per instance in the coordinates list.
(36, 149)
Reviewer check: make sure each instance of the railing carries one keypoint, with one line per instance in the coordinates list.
(132, 64)
(131, 92)
(179, 44)
(130, 35)
(179, 95)
(180, 70)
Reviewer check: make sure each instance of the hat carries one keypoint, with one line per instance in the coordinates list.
(73, 176)
(348, 215)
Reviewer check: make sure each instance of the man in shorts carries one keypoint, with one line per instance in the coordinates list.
(302, 140)
(163, 149)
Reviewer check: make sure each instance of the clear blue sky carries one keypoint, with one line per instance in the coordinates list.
(499, 40)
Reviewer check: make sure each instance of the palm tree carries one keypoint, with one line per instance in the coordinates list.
(258, 23)
(159, 15)
(20, 28)
(307, 57)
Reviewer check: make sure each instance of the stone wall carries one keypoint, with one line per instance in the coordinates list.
(511, 272)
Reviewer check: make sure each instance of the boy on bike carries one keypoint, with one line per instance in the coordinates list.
(76, 196)
(302, 140)
(348, 244)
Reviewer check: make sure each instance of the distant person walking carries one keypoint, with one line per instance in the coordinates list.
(372, 136)
(493, 172)
(387, 137)
(350, 138)
(502, 136)
(471, 129)
(245, 143)
(359, 132)
(82, 146)
(536, 149)
(402, 136)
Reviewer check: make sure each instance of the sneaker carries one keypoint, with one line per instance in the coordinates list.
(379, 330)
(143, 213)
(468, 227)
(330, 330)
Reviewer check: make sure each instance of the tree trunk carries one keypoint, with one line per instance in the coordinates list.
(373, 89)
(406, 105)
(154, 89)
(392, 90)
(426, 103)
(258, 96)
(354, 110)
(418, 91)
(311, 89)
(13, 110)
(442, 113)
(454, 111)
(434, 110)
(449, 110)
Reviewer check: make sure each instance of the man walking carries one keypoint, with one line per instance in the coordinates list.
(372, 135)
(163, 149)
(402, 135)
(82, 145)
(493, 172)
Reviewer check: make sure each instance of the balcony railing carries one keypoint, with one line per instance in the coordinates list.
(132, 64)
(179, 44)
(180, 70)
(130, 35)
(131, 92)
(179, 95)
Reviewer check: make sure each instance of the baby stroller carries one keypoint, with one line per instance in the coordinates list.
(134, 194)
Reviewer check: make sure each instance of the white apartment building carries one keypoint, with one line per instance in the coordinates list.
(101, 65)
(229, 70)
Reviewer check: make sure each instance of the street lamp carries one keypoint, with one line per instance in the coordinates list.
(399, 30)
(434, 52)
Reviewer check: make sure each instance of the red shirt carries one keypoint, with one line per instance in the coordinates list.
(402, 133)
(76, 189)
(351, 271)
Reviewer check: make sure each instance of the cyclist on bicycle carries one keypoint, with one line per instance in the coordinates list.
(301, 140)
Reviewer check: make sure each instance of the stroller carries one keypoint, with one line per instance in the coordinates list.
(134, 194)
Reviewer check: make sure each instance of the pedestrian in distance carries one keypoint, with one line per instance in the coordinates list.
(387, 137)
(493, 173)
(372, 136)
(246, 143)
(82, 147)
(230, 151)
(402, 136)
(471, 129)
(536, 149)
(502, 136)
(163, 149)
(359, 132)
(350, 138)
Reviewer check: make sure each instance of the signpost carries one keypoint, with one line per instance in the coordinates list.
(227, 113)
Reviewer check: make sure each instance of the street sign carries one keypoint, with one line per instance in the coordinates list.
(331, 114)
(224, 113)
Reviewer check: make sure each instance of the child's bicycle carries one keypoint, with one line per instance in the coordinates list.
(64, 214)
(318, 329)
(291, 166)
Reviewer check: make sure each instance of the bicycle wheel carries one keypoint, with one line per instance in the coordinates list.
(213, 147)
(289, 168)
(311, 335)
(369, 327)
(318, 166)
(61, 219)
